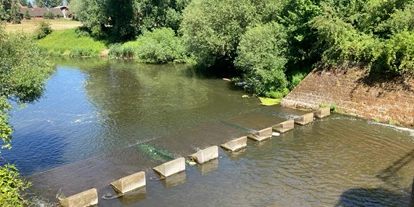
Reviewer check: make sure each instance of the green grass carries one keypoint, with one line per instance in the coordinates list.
(66, 43)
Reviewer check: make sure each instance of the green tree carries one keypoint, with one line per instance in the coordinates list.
(23, 2)
(48, 3)
(96, 22)
(262, 58)
(22, 77)
(27, 15)
(212, 29)
(5, 10)
(30, 5)
(15, 17)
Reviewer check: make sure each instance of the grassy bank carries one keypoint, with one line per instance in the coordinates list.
(30, 26)
(67, 43)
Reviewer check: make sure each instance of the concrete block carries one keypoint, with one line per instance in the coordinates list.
(323, 112)
(170, 168)
(174, 180)
(129, 183)
(235, 144)
(208, 167)
(284, 126)
(205, 155)
(304, 119)
(134, 196)
(84, 199)
(261, 135)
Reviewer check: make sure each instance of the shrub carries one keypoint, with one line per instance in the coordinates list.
(80, 52)
(11, 187)
(296, 78)
(261, 56)
(42, 30)
(160, 46)
(117, 51)
(27, 15)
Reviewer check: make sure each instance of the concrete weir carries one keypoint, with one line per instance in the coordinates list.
(304, 119)
(129, 183)
(284, 126)
(323, 112)
(235, 144)
(170, 168)
(205, 155)
(83, 199)
(261, 135)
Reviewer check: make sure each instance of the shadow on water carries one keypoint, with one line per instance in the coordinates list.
(371, 197)
(388, 175)
(381, 196)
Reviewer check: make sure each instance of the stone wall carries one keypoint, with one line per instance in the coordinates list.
(356, 94)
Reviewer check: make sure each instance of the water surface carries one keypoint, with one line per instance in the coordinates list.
(99, 121)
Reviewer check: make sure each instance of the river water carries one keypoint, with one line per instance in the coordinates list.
(99, 121)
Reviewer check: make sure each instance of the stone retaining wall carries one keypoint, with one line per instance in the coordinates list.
(353, 94)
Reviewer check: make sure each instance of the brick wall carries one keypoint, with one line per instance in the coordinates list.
(349, 90)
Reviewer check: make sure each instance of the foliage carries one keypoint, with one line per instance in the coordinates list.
(48, 15)
(15, 17)
(212, 29)
(48, 3)
(296, 78)
(11, 187)
(27, 15)
(61, 42)
(22, 75)
(261, 55)
(42, 30)
(159, 46)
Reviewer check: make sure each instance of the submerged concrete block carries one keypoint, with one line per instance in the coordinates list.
(84, 199)
(323, 112)
(134, 196)
(284, 126)
(208, 167)
(129, 183)
(304, 119)
(170, 168)
(205, 155)
(235, 144)
(174, 180)
(261, 135)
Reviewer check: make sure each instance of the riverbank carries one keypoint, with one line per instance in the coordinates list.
(351, 91)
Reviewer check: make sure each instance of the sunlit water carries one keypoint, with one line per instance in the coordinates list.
(89, 128)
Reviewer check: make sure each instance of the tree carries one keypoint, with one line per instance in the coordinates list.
(15, 17)
(48, 3)
(22, 77)
(212, 29)
(262, 58)
(30, 4)
(23, 2)
(27, 15)
(96, 22)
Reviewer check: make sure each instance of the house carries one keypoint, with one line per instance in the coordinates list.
(37, 13)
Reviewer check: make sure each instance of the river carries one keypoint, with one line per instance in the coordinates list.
(99, 121)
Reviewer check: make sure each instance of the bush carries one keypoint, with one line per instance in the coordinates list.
(80, 52)
(261, 56)
(296, 78)
(117, 51)
(27, 15)
(11, 187)
(42, 30)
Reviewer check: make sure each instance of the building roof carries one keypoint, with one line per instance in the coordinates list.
(38, 12)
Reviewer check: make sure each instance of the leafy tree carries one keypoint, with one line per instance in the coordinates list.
(262, 57)
(96, 22)
(22, 77)
(48, 3)
(30, 5)
(23, 2)
(15, 17)
(212, 29)
(27, 15)
(5, 10)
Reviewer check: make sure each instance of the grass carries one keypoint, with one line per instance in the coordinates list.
(30, 26)
(66, 43)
